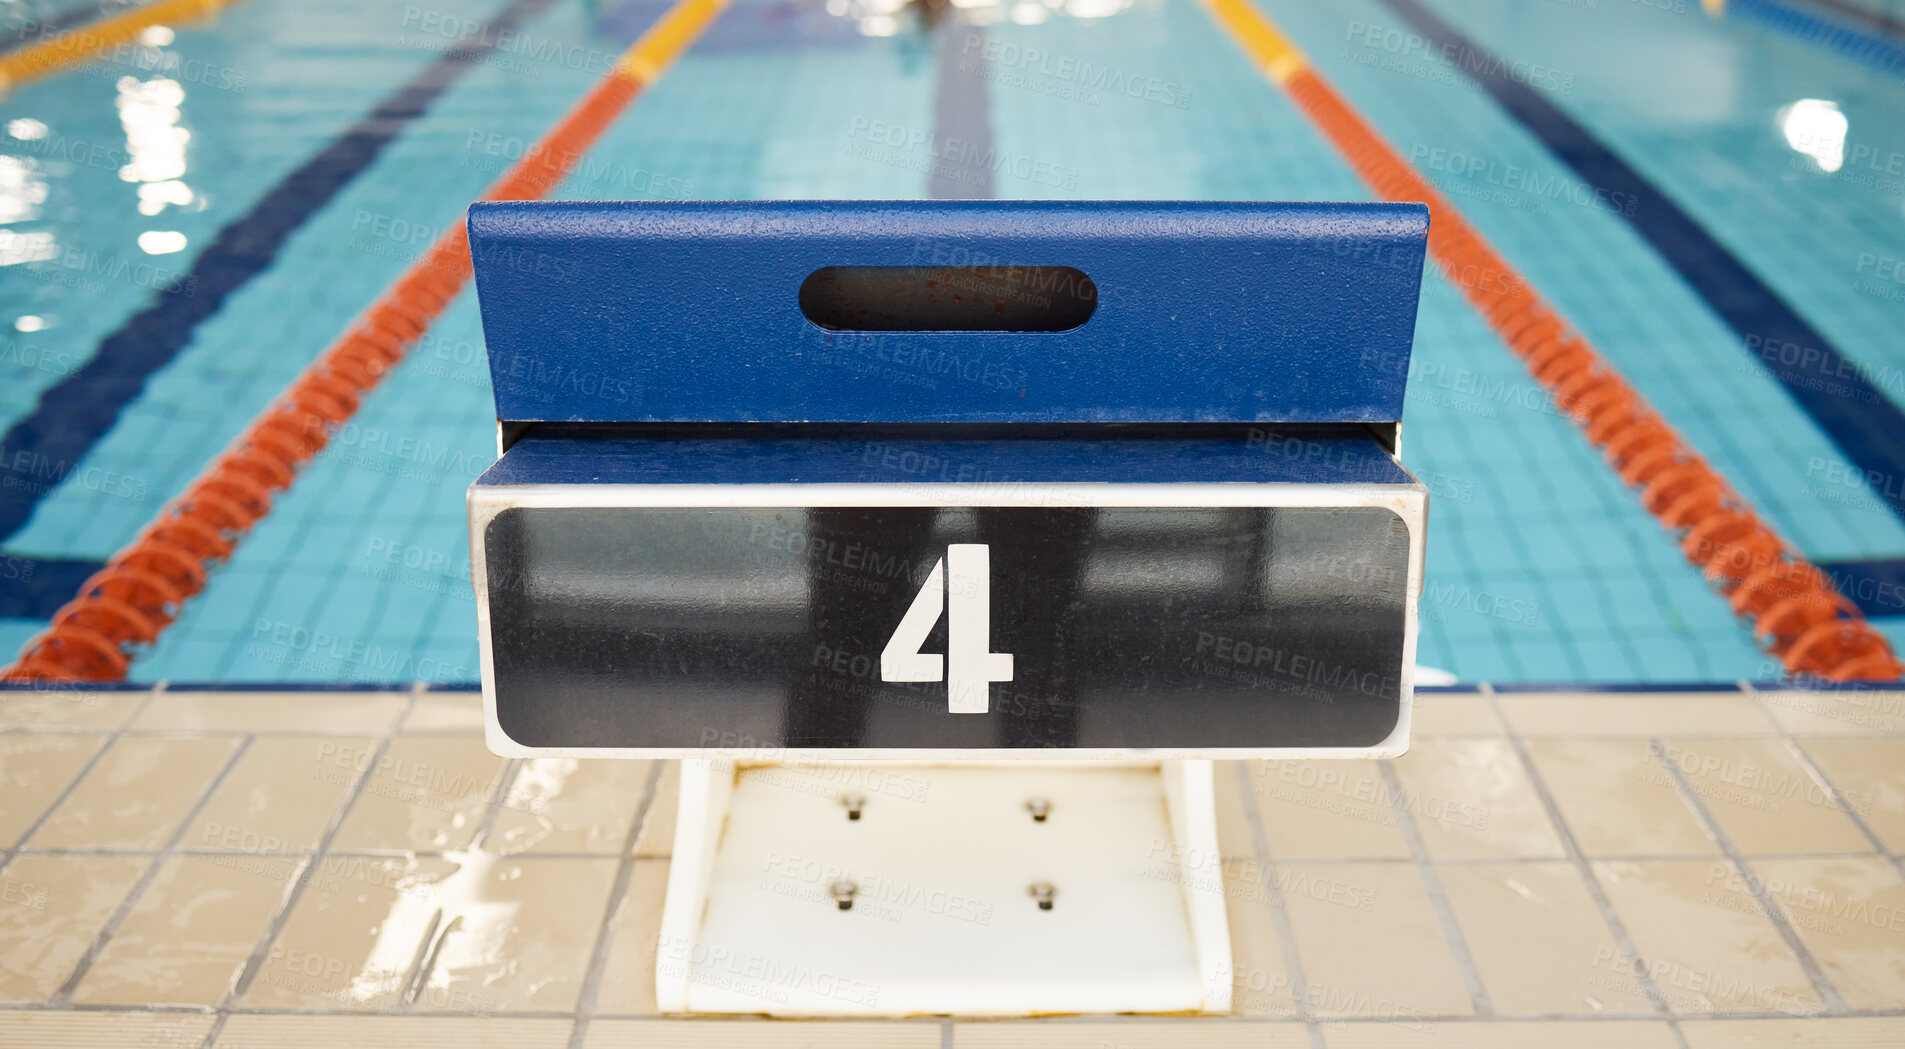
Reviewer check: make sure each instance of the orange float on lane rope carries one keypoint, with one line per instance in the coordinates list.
(1795, 608)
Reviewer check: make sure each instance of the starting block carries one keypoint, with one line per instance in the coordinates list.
(820, 494)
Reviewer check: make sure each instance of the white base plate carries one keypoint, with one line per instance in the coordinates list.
(942, 922)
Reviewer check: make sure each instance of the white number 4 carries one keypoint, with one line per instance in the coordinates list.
(967, 667)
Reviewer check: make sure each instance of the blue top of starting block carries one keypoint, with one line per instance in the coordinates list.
(1192, 312)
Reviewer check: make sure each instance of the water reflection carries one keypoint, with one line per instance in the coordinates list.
(882, 17)
(22, 189)
(161, 241)
(155, 146)
(1815, 127)
(155, 143)
(16, 248)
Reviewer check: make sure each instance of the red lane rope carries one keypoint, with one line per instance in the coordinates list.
(1796, 610)
(141, 589)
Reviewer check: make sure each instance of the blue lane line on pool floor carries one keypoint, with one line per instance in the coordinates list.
(89, 400)
(1876, 586)
(73, 415)
(962, 114)
(1867, 427)
(37, 587)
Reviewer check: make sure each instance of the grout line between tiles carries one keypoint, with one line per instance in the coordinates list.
(1835, 1005)
(1838, 797)
(85, 769)
(431, 943)
(1279, 908)
(301, 876)
(605, 933)
(1832, 791)
(1605, 906)
(505, 783)
(147, 877)
(1432, 882)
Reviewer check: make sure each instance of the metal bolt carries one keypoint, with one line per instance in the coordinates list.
(1043, 892)
(842, 892)
(854, 803)
(1039, 808)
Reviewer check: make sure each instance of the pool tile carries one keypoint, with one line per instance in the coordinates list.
(136, 795)
(747, 1034)
(570, 805)
(628, 980)
(1850, 913)
(1326, 810)
(412, 1032)
(657, 837)
(75, 1030)
(354, 935)
(1870, 775)
(1260, 981)
(1454, 714)
(1154, 1034)
(241, 712)
(1471, 799)
(278, 798)
(34, 770)
(518, 932)
(1535, 934)
(187, 938)
(78, 709)
(1370, 942)
(51, 910)
(1234, 836)
(1812, 1033)
(1627, 1034)
(446, 712)
(427, 793)
(1763, 798)
(1704, 938)
(1617, 798)
(1834, 713)
(1635, 714)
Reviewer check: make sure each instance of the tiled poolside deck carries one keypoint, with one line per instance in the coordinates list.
(1702, 869)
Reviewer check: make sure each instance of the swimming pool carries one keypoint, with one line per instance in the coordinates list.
(204, 210)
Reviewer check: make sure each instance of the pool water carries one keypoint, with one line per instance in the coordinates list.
(199, 215)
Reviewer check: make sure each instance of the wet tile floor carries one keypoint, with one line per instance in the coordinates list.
(1696, 869)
